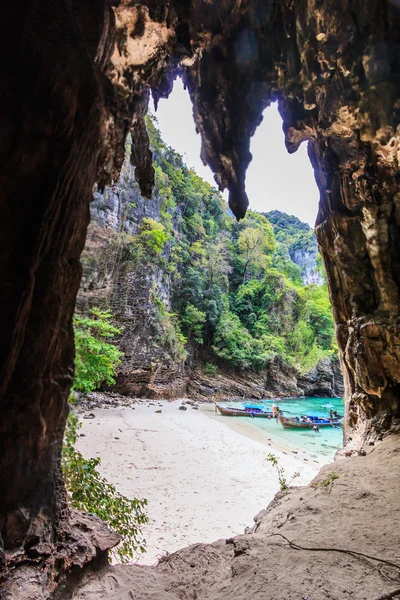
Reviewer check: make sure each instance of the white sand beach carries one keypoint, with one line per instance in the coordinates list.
(203, 478)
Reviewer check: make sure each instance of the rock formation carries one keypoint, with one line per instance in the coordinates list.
(303, 245)
(113, 277)
(306, 259)
(75, 78)
(324, 381)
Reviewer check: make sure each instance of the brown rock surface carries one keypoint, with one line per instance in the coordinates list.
(36, 571)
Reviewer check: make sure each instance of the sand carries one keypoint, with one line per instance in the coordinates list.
(358, 511)
(204, 478)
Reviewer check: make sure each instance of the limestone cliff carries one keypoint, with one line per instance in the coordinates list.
(306, 260)
(298, 241)
(141, 291)
(113, 278)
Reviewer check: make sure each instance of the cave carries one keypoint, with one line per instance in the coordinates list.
(76, 79)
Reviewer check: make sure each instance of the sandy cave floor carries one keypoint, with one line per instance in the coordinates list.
(357, 511)
(203, 480)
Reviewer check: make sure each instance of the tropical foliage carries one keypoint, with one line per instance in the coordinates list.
(96, 358)
(237, 293)
(238, 298)
(95, 363)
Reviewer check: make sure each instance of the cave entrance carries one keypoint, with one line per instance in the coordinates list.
(274, 298)
(70, 94)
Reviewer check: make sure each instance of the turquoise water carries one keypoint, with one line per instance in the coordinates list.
(318, 445)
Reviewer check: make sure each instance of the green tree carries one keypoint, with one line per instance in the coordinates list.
(194, 320)
(251, 242)
(215, 261)
(96, 358)
(96, 361)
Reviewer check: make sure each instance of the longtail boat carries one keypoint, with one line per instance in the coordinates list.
(247, 411)
(310, 423)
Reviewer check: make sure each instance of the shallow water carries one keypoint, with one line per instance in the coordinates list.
(322, 444)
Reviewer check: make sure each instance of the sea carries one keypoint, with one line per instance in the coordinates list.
(320, 445)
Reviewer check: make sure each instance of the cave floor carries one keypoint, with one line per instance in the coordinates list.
(358, 511)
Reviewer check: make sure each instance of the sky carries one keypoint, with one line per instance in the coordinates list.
(275, 179)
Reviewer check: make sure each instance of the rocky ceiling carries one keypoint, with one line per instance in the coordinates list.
(76, 77)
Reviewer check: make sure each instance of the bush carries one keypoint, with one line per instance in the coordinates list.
(153, 235)
(209, 369)
(95, 357)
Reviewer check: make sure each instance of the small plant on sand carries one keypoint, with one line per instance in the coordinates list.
(330, 478)
(90, 492)
(283, 482)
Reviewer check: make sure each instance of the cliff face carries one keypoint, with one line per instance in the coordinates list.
(140, 292)
(307, 261)
(298, 241)
(325, 380)
(114, 278)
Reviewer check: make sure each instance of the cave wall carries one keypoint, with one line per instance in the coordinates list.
(52, 126)
(76, 77)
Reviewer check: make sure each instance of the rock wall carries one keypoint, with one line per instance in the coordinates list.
(326, 380)
(113, 279)
(307, 261)
(54, 117)
(278, 380)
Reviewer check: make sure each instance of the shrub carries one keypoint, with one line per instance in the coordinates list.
(95, 357)
(209, 369)
(153, 235)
